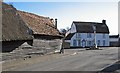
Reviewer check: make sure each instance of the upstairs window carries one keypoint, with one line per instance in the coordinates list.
(89, 35)
(98, 43)
(103, 42)
(79, 42)
(74, 43)
(78, 35)
(103, 35)
(89, 43)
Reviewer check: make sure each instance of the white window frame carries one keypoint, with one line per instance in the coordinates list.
(104, 36)
(89, 35)
(74, 42)
(98, 42)
(104, 42)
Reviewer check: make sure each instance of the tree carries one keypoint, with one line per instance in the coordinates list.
(67, 28)
(63, 31)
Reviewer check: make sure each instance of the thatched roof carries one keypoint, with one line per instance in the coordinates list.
(87, 27)
(13, 27)
(39, 24)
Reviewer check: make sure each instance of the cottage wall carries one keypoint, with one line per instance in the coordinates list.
(83, 36)
(73, 28)
(101, 38)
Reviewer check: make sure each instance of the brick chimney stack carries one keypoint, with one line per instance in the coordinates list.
(56, 23)
(104, 21)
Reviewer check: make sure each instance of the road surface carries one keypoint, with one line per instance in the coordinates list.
(78, 60)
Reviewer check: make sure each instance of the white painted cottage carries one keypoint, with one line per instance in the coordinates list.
(81, 34)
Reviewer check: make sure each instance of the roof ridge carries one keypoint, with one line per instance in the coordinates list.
(86, 22)
(88, 27)
(38, 17)
(45, 21)
(29, 13)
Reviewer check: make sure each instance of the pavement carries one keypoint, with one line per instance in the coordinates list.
(72, 60)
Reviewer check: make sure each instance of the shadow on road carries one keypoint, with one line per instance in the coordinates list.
(112, 68)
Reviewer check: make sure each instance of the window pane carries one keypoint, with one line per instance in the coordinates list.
(89, 43)
(79, 42)
(98, 43)
(74, 43)
(89, 35)
(79, 35)
(103, 35)
(103, 42)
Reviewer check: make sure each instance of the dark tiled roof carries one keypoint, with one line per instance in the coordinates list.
(39, 24)
(86, 27)
(114, 36)
(69, 36)
(13, 27)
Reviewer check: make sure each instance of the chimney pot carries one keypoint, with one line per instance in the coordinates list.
(104, 21)
(56, 23)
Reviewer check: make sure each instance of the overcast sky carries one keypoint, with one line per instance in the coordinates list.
(67, 12)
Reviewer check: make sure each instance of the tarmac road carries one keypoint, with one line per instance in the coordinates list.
(78, 60)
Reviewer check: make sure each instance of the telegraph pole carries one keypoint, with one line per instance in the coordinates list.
(94, 29)
(94, 40)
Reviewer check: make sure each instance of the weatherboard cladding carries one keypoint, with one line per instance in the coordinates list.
(86, 27)
(13, 27)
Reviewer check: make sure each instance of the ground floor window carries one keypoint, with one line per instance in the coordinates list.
(79, 42)
(98, 42)
(74, 43)
(89, 43)
(83, 43)
(103, 42)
